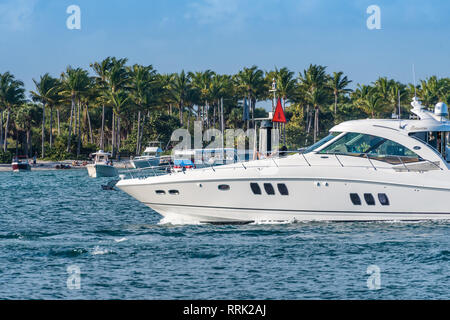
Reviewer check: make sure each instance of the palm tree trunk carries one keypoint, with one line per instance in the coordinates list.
(72, 108)
(17, 141)
(91, 140)
(138, 136)
(5, 143)
(78, 130)
(28, 143)
(181, 113)
(118, 137)
(142, 133)
(113, 137)
(59, 123)
(51, 126)
(316, 124)
(43, 132)
(102, 134)
(335, 103)
(1, 125)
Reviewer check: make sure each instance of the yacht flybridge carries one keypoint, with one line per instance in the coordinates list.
(364, 170)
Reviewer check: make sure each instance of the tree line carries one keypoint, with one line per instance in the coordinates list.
(120, 108)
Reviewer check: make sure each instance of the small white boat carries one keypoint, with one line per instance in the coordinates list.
(150, 158)
(102, 166)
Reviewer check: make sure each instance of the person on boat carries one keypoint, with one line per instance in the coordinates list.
(34, 159)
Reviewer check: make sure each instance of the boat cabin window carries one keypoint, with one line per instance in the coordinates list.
(384, 200)
(269, 189)
(369, 199)
(378, 148)
(283, 189)
(224, 187)
(255, 188)
(356, 200)
(437, 139)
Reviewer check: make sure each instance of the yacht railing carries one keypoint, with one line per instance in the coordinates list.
(168, 169)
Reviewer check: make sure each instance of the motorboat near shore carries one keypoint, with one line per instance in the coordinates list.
(102, 166)
(20, 163)
(365, 170)
(150, 157)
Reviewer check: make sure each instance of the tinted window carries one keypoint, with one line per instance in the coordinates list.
(255, 188)
(356, 200)
(269, 188)
(174, 192)
(283, 189)
(384, 200)
(160, 192)
(224, 187)
(357, 144)
(369, 199)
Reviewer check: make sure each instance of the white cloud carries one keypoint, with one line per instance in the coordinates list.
(16, 15)
(228, 13)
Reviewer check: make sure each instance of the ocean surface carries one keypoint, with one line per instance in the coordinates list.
(63, 237)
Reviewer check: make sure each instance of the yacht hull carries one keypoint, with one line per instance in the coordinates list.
(311, 197)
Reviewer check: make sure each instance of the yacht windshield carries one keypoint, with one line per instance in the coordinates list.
(358, 144)
(320, 143)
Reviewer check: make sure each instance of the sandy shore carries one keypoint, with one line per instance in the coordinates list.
(51, 165)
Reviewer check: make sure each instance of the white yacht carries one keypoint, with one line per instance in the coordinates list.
(150, 158)
(102, 166)
(365, 170)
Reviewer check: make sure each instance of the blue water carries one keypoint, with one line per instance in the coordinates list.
(56, 219)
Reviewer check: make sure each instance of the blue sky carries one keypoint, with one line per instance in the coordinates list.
(226, 35)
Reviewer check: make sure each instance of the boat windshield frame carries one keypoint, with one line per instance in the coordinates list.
(322, 142)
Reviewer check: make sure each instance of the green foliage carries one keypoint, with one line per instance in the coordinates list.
(5, 157)
(158, 128)
(58, 151)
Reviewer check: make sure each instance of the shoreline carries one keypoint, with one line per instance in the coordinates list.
(51, 165)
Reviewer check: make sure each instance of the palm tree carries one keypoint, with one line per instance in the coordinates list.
(201, 81)
(75, 83)
(251, 82)
(221, 87)
(339, 85)
(312, 84)
(370, 101)
(101, 69)
(47, 93)
(117, 78)
(179, 88)
(316, 97)
(26, 116)
(396, 91)
(142, 79)
(118, 100)
(12, 94)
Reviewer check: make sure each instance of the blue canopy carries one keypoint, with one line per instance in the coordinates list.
(183, 162)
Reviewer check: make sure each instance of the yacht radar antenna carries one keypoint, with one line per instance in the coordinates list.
(414, 78)
(399, 111)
